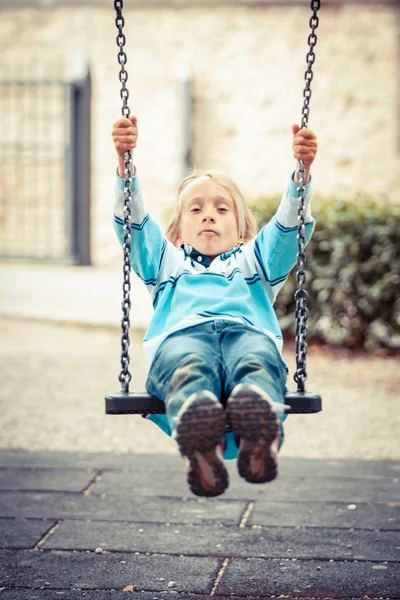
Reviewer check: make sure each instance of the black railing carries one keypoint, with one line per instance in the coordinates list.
(45, 170)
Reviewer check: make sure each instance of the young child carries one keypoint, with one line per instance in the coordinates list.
(214, 342)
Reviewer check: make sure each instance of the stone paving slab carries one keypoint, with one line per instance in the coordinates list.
(215, 540)
(97, 461)
(284, 488)
(138, 509)
(20, 594)
(171, 462)
(326, 514)
(65, 480)
(173, 484)
(314, 579)
(23, 533)
(88, 570)
(198, 510)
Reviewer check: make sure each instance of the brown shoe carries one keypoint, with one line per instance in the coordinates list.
(200, 435)
(249, 412)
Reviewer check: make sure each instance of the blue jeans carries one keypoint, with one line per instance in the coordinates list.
(215, 356)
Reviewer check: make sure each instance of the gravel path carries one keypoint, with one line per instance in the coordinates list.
(54, 378)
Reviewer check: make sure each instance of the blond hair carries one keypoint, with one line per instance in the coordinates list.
(247, 225)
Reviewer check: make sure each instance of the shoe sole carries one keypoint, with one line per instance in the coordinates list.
(199, 432)
(256, 425)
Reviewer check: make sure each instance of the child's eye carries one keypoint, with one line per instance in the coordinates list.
(222, 209)
(195, 210)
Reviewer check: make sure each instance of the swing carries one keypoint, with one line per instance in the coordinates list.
(126, 402)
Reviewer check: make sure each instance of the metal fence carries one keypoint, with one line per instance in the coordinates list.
(45, 170)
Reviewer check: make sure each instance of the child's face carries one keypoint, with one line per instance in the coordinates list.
(208, 218)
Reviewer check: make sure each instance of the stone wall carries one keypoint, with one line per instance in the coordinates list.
(247, 67)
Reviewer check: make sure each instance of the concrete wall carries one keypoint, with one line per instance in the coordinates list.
(247, 65)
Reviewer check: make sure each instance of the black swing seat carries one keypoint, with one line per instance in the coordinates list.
(132, 403)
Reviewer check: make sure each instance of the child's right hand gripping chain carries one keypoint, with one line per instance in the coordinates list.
(124, 134)
(304, 148)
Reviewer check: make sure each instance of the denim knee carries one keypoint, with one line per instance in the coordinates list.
(192, 366)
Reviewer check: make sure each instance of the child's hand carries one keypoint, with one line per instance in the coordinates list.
(304, 147)
(125, 134)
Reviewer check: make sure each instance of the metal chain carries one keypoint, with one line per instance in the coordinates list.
(125, 376)
(301, 295)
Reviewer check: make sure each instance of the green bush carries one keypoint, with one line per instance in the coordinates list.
(353, 273)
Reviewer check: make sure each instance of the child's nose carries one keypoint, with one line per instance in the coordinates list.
(209, 214)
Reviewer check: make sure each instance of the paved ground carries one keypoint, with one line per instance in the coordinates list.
(69, 293)
(99, 526)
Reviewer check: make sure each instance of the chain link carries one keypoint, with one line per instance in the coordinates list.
(125, 376)
(301, 295)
